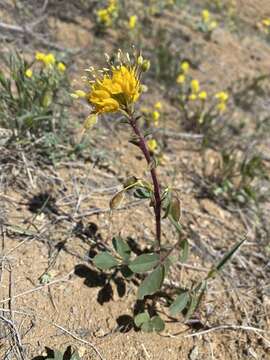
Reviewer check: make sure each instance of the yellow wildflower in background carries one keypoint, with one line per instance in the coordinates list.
(104, 17)
(152, 145)
(185, 67)
(195, 86)
(205, 16)
(203, 95)
(222, 96)
(29, 73)
(61, 67)
(47, 59)
(213, 24)
(266, 22)
(158, 105)
(40, 56)
(180, 79)
(155, 117)
(192, 97)
(132, 22)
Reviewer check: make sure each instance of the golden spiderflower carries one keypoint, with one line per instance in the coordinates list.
(115, 88)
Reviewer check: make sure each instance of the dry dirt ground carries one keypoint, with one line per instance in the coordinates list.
(85, 308)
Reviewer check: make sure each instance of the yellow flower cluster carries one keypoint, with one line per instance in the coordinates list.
(115, 91)
(115, 88)
(222, 98)
(105, 16)
(49, 60)
(207, 20)
(195, 91)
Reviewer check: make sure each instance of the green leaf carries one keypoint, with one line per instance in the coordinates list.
(147, 326)
(105, 261)
(152, 282)
(142, 193)
(196, 298)
(175, 224)
(179, 303)
(224, 259)
(141, 318)
(126, 272)
(184, 251)
(158, 323)
(144, 262)
(121, 247)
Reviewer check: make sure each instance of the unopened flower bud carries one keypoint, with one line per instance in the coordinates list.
(140, 60)
(146, 65)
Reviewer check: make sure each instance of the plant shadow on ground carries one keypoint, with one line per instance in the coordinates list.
(43, 202)
(52, 354)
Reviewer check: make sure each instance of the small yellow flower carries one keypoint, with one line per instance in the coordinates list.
(49, 59)
(155, 116)
(205, 16)
(195, 86)
(40, 56)
(192, 97)
(203, 95)
(266, 22)
(132, 22)
(180, 79)
(185, 67)
(104, 17)
(158, 105)
(213, 24)
(221, 107)
(29, 73)
(222, 96)
(152, 145)
(61, 67)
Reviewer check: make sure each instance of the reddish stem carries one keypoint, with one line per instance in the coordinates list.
(157, 204)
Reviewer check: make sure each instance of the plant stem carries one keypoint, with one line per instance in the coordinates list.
(146, 153)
